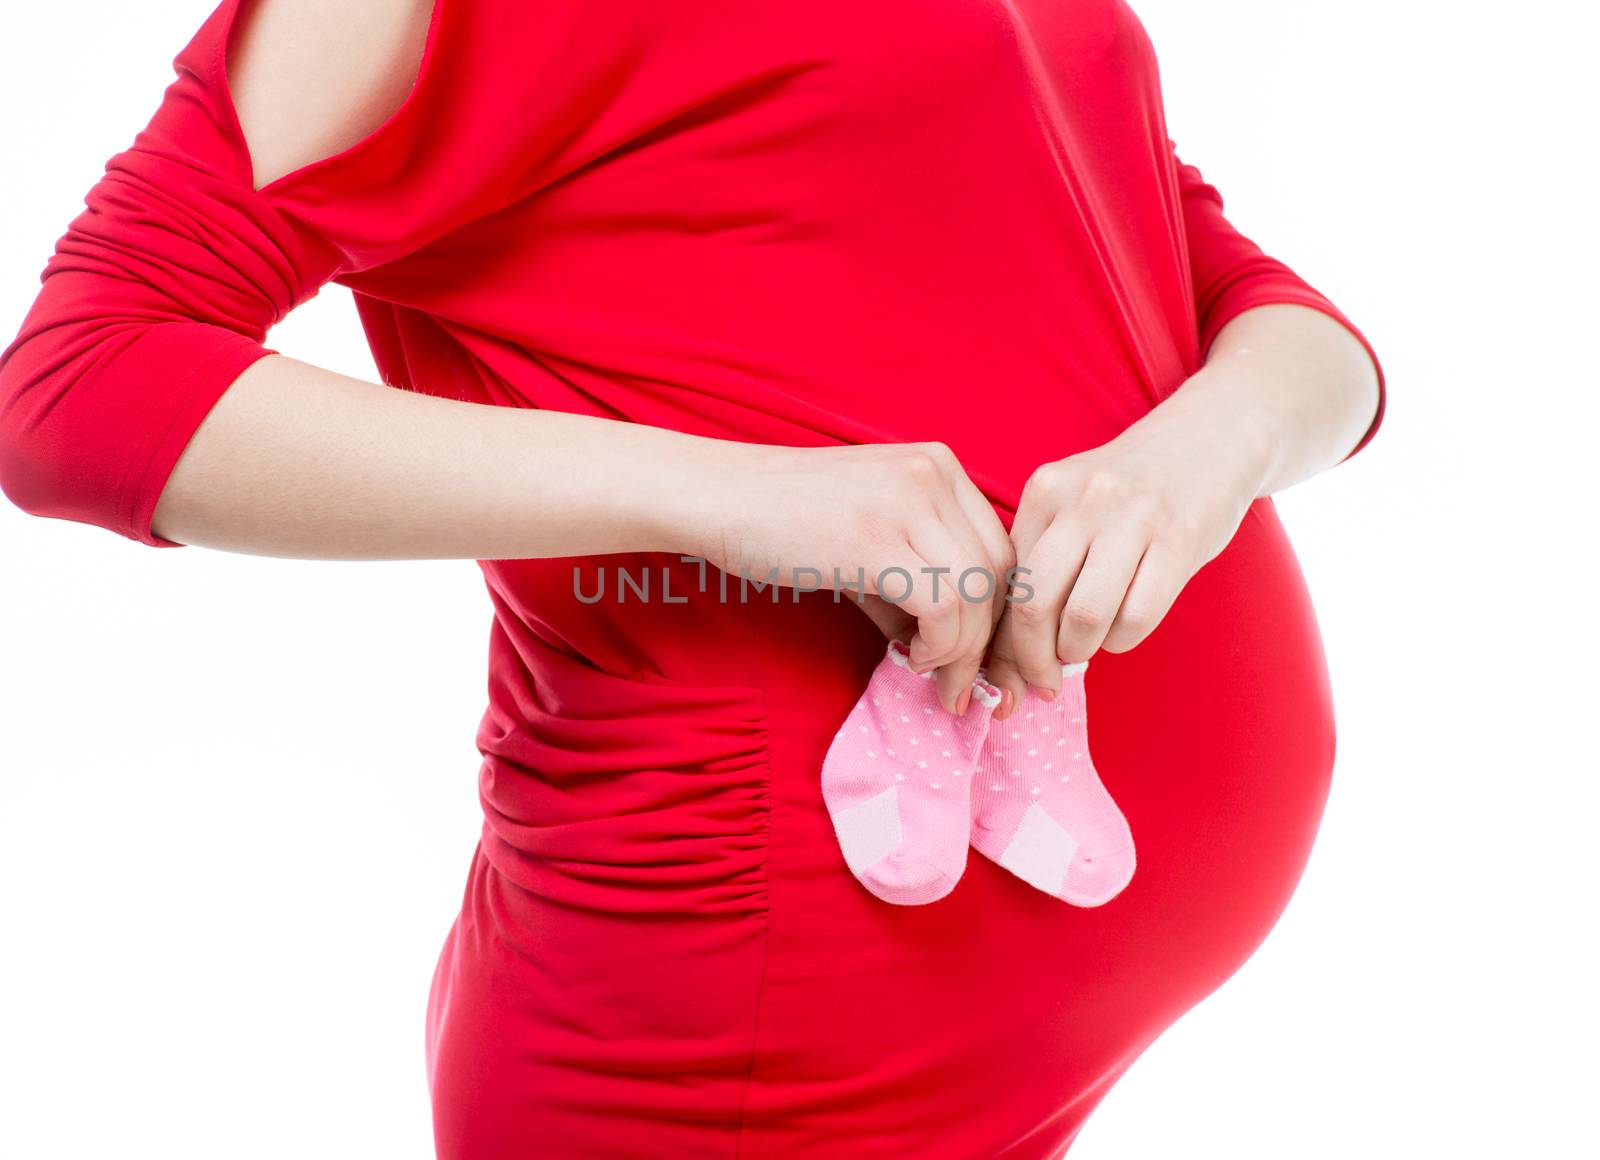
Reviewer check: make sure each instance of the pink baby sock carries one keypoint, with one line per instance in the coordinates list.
(897, 781)
(1038, 807)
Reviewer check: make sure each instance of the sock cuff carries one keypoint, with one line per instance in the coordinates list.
(900, 654)
(982, 690)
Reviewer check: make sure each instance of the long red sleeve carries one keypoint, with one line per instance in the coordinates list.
(1231, 274)
(156, 299)
(162, 291)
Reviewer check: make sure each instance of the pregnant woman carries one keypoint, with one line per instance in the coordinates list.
(824, 285)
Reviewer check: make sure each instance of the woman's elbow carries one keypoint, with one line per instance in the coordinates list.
(37, 461)
(67, 449)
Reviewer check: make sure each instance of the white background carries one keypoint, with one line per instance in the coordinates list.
(237, 795)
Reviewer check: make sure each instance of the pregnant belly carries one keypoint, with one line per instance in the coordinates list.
(629, 743)
(1215, 735)
(669, 806)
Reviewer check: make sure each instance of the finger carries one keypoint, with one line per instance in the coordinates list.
(998, 549)
(937, 623)
(955, 684)
(1054, 565)
(1097, 593)
(1160, 577)
(1034, 517)
(1002, 671)
(939, 632)
(977, 581)
(955, 545)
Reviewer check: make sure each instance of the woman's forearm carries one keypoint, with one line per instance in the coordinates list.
(1111, 536)
(298, 461)
(1286, 392)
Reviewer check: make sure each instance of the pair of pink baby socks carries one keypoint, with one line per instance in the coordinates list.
(910, 786)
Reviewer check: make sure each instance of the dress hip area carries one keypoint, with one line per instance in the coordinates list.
(804, 225)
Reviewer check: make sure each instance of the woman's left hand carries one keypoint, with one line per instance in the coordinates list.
(1110, 537)
(1106, 539)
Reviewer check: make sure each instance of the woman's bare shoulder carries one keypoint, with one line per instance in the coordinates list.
(310, 78)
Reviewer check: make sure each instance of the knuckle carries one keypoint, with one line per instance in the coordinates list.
(920, 469)
(1137, 619)
(1027, 614)
(1104, 488)
(1037, 673)
(1084, 614)
(1051, 479)
(1183, 528)
(1145, 512)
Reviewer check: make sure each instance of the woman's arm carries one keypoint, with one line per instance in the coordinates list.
(298, 461)
(138, 396)
(1290, 385)
(1287, 387)
(1110, 537)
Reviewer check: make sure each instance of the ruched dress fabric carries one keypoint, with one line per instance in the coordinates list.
(800, 224)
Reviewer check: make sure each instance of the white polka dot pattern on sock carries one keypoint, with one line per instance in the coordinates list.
(1059, 831)
(917, 855)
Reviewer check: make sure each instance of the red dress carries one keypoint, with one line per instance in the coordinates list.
(798, 224)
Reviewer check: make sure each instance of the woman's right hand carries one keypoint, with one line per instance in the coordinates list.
(902, 520)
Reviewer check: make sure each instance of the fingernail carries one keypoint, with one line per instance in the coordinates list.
(1045, 694)
(963, 701)
(1006, 702)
